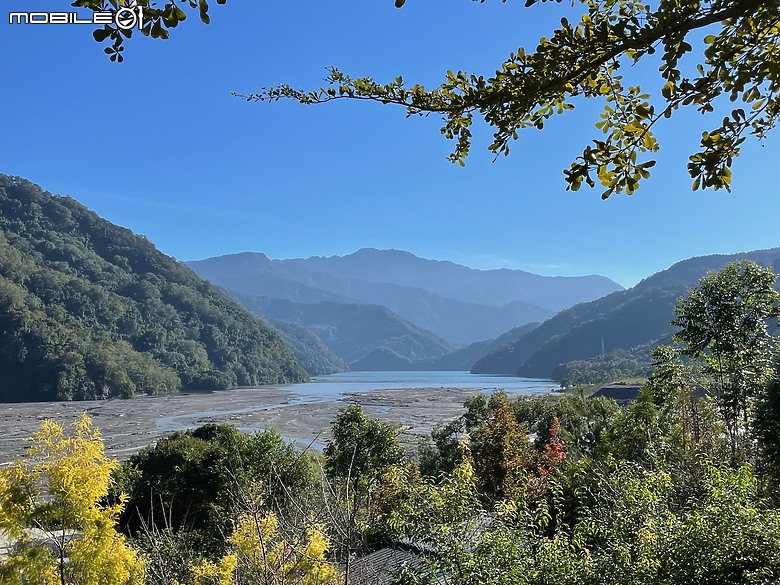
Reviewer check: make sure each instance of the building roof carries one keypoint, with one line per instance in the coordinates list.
(622, 393)
(381, 567)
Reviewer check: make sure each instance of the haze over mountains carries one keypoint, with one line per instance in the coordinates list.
(615, 324)
(413, 309)
(457, 303)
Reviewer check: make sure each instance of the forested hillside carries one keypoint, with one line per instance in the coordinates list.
(90, 310)
(352, 331)
(620, 321)
(315, 357)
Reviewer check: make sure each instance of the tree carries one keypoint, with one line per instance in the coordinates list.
(261, 553)
(501, 450)
(511, 542)
(767, 428)
(640, 533)
(362, 449)
(723, 327)
(156, 22)
(55, 496)
(583, 60)
(190, 481)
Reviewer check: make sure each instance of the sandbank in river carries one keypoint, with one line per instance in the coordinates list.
(129, 425)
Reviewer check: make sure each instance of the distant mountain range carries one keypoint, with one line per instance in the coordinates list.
(388, 309)
(619, 321)
(456, 304)
(493, 288)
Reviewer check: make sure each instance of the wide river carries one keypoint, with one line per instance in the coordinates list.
(334, 386)
(412, 401)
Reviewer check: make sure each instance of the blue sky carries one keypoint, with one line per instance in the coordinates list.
(158, 144)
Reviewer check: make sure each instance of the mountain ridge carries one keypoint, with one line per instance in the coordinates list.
(352, 331)
(621, 320)
(89, 309)
(410, 270)
(369, 280)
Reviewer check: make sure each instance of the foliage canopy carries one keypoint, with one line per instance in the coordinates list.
(724, 327)
(51, 507)
(584, 59)
(157, 21)
(192, 481)
(91, 310)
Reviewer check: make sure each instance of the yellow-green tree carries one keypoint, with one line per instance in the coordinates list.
(51, 510)
(263, 553)
(501, 451)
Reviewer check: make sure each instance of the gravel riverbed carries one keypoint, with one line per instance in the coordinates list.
(129, 425)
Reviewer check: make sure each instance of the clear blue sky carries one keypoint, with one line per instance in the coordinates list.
(157, 144)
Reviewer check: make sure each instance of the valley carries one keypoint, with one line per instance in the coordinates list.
(300, 412)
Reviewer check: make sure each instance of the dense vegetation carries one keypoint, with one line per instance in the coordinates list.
(90, 310)
(314, 356)
(352, 331)
(681, 486)
(623, 320)
(610, 367)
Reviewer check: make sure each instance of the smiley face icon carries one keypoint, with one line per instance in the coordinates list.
(128, 17)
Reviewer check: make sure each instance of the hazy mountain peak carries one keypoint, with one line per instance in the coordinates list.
(496, 287)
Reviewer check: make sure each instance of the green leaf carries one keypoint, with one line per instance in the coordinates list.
(101, 34)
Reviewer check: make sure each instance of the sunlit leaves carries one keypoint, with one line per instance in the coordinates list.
(724, 327)
(57, 494)
(157, 21)
(262, 553)
(581, 59)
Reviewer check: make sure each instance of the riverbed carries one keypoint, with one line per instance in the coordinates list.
(300, 412)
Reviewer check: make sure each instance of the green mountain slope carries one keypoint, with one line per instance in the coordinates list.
(309, 350)
(352, 331)
(90, 310)
(464, 358)
(623, 320)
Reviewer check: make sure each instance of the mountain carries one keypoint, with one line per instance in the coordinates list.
(90, 310)
(352, 331)
(255, 274)
(426, 292)
(381, 359)
(619, 321)
(464, 358)
(309, 350)
(487, 287)
(456, 321)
